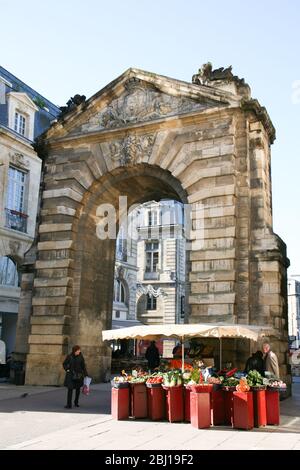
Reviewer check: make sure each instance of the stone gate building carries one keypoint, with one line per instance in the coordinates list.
(149, 137)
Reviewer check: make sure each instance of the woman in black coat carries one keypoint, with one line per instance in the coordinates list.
(75, 368)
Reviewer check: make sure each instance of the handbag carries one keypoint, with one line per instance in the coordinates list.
(77, 375)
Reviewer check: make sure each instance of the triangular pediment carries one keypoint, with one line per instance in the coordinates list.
(138, 97)
(141, 102)
(23, 98)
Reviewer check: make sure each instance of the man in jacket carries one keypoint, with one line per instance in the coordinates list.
(152, 356)
(270, 360)
(255, 362)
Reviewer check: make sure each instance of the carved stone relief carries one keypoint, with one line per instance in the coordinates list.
(18, 159)
(142, 102)
(131, 148)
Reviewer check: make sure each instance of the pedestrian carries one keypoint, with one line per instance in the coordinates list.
(270, 360)
(152, 356)
(255, 362)
(75, 368)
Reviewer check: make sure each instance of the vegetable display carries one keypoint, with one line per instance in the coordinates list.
(255, 379)
(172, 378)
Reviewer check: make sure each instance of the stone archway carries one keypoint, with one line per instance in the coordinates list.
(149, 137)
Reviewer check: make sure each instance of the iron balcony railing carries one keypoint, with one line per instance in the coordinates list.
(16, 220)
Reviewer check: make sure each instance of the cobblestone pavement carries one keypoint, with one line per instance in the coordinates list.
(35, 418)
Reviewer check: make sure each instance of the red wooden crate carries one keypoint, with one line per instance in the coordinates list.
(243, 410)
(120, 403)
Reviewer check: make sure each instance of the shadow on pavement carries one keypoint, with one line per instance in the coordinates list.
(97, 402)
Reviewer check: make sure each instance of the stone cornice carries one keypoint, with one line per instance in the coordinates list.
(262, 115)
(10, 133)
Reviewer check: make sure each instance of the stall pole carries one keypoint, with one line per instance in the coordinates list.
(182, 354)
(220, 353)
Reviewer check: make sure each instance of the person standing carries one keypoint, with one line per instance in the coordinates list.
(270, 360)
(75, 368)
(152, 356)
(255, 362)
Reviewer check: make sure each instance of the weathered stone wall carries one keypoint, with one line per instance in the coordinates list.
(214, 156)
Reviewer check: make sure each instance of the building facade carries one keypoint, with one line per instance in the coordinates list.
(150, 279)
(24, 115)
(294, 312)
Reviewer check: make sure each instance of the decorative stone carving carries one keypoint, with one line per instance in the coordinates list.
(206, 74)
(72, 104)
(119, 272)
(149, 289)
(14, 246)
(131, 148)
(142, 102)
(18, 159)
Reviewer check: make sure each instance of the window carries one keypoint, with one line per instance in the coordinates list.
(119, 292)
(15, 205)
(117, 313)
(182, 306)
(8, 272)
(151, 302)
(122, 245)
(152, 256)
(20, 122)
(152, 217)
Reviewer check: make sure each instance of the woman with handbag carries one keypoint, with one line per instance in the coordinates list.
(75, 368)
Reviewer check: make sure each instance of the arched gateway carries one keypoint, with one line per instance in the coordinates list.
(149, 137)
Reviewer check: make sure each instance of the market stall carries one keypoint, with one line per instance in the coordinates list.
(201, 395)
(186, 331)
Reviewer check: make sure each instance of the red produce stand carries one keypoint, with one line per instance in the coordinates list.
(259, 407)
(243, 410)
(273, 407)
(200, 410)
(218, 407)
(228, 402)
(187, 405)
(138, 400)
(156, 402)
(174, 403)
(120, 403)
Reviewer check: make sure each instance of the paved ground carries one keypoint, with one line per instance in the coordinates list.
(35, 418)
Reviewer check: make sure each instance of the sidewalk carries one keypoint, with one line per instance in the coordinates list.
(39, 421)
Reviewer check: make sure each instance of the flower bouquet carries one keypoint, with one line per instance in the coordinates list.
(276, 385)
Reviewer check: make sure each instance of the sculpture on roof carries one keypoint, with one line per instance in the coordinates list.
(206, 74)
(73, 102)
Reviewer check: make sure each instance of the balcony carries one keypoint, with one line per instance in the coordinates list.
(153, 276)
(16, 220)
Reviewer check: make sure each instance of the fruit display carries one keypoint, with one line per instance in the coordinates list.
(119, 379)
(215, 380)
(243, 385)
(155, 379)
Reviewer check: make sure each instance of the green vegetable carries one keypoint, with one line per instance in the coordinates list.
(254, 378)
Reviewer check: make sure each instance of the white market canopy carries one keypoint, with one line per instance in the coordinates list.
(184, 331)
(181, 331)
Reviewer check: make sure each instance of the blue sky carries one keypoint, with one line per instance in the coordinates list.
(72, 46)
